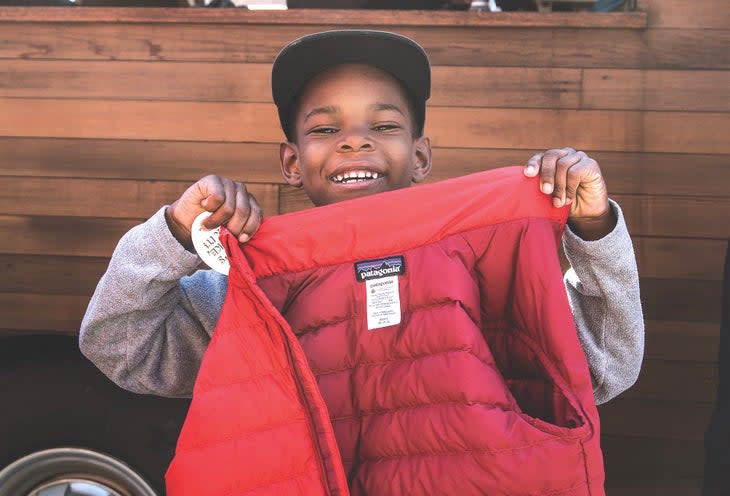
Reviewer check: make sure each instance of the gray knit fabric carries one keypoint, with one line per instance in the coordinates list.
(153, 312)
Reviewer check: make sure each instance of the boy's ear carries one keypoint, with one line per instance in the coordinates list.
(422, 159)
(289, 160)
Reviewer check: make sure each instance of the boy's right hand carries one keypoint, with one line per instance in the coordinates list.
(231, 206)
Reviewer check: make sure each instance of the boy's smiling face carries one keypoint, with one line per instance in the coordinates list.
(354, 136)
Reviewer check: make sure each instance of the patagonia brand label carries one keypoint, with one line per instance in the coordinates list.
(382, 267)
(382, 290)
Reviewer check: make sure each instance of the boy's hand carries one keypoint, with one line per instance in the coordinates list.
(573, 178)
(231, 206)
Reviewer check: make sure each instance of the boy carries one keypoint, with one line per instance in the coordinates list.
(352, 106)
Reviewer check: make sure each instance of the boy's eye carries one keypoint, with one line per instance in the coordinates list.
(323, 130)
(385, 127)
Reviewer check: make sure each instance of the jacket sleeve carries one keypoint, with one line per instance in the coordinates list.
(603, 290)
(149, 320)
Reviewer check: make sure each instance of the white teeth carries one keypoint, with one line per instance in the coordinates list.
(353, 176)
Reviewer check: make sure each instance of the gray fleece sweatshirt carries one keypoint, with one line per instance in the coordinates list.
(153, 312)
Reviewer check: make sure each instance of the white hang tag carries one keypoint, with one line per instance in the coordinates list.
(208, 245)
(383, 302)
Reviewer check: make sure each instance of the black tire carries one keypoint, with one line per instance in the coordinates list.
(71, 471)
(52, 397)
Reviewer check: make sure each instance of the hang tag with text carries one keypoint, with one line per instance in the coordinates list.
(382, 290)
(208, 245)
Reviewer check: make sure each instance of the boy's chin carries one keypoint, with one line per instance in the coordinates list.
(343, 192)
(364, 188)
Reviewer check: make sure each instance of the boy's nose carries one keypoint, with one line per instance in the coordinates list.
(355, 141)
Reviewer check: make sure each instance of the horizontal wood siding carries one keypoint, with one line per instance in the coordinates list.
(108, 114)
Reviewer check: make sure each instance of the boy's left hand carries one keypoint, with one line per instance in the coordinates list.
(573, 178)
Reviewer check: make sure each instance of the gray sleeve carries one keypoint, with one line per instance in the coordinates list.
(603, 289)
(152, 314)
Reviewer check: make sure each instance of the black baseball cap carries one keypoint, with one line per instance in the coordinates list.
(304, 58)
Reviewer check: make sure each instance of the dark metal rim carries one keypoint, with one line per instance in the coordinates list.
(71, 471)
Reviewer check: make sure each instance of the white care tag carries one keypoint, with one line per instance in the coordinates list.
(382, 298)
(208, 245)
(383, 302)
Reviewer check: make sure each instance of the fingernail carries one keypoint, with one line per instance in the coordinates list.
(568, 201)
(547, 188)
(529, 170)
(243, 238)
(557, 202)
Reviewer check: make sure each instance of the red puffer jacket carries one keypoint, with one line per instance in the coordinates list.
(452, 369)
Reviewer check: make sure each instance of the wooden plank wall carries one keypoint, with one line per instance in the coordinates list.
(103, 122)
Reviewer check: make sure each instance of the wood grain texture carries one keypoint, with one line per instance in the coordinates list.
(651, 461)
(666, 381)
(704, 14)
(626, 173)
(664, 485)
(657, 419)
(103, 197)
(47, 313)
(454, 127)
(51, 275)
(205, 121)
(641, 173)
(139, 159)
(681, 300)
(120, 80)
(677, 216)
(337, 17)
(680, 258)
(293, 199)
(520, 87)
(633, 89)
(686, 132)
(151, 42)
(62, 236)
(460, 127)
(526, 46)
(239, 82)
(700, 175)
(682, 341)
(686, 49)
(508, 47)
(447, 126)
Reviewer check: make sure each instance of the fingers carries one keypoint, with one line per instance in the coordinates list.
(236, 209)
(247, 216)
(229, 203)
(221, 202)
(561, 172)
(552, 171)
(253, 222)
(565, 174)
(532, 168)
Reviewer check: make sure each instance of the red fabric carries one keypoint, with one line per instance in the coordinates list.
(481, 389)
